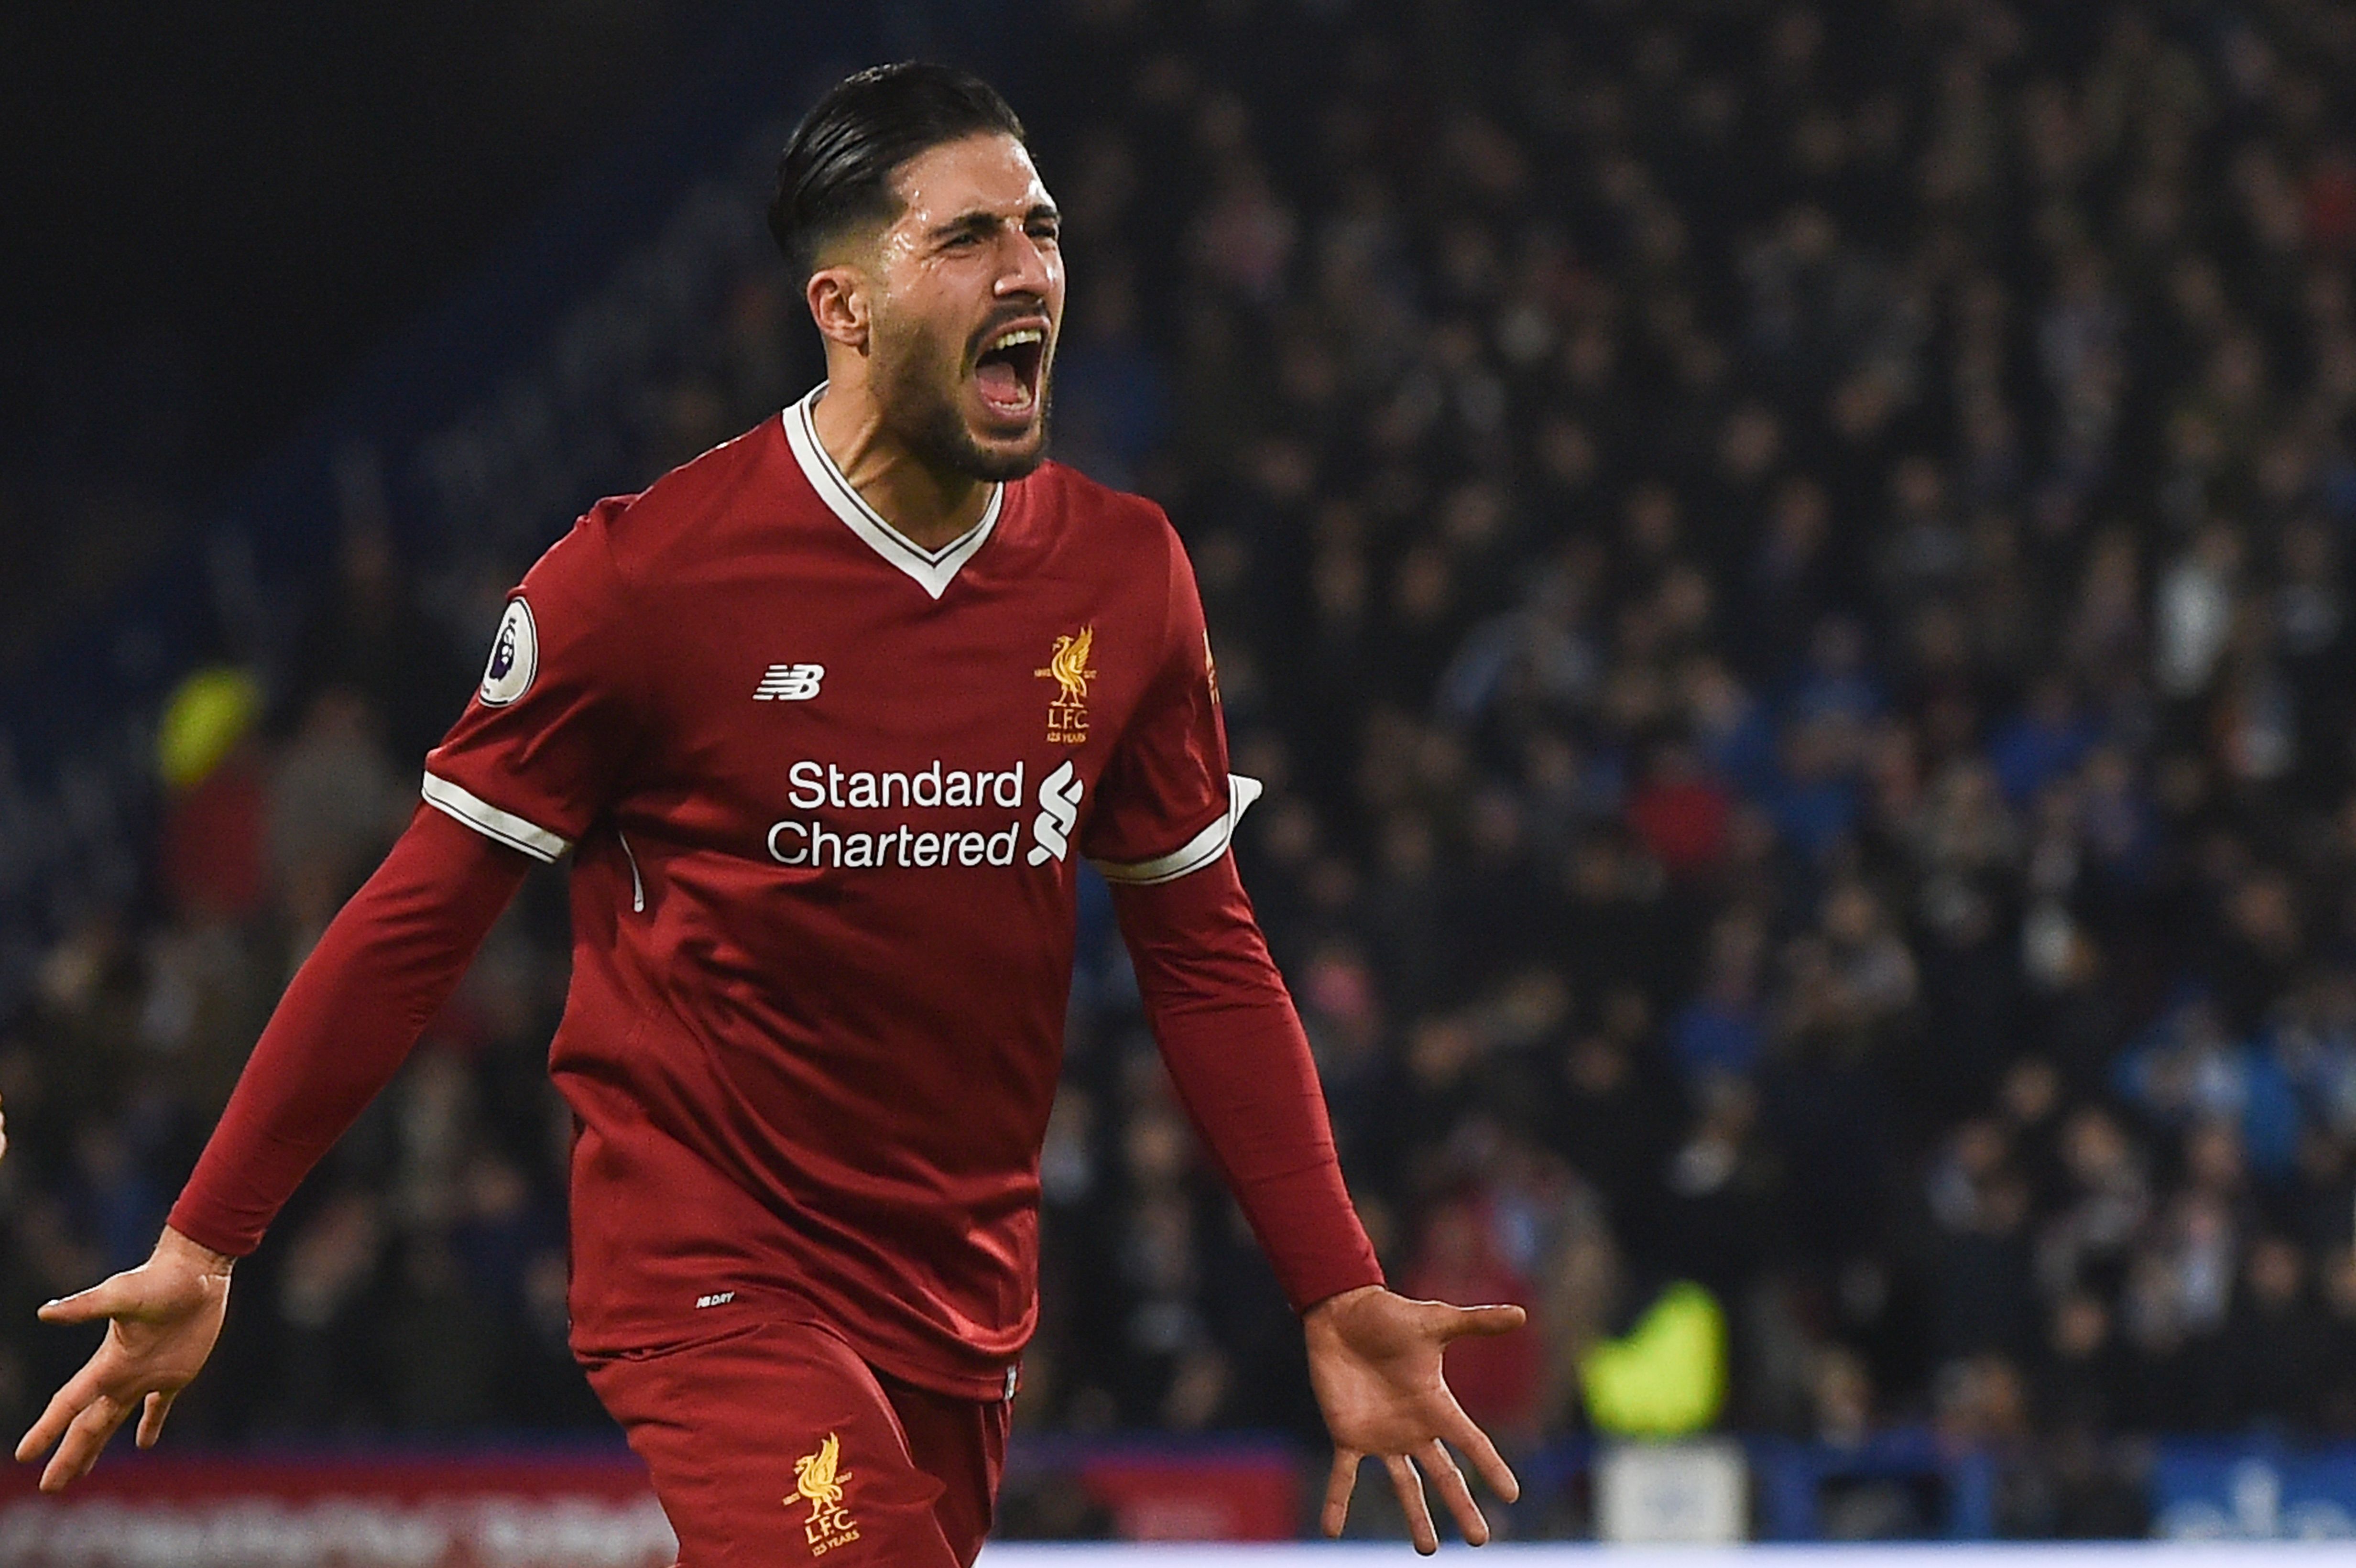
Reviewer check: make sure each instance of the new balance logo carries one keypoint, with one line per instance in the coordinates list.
(790, 683)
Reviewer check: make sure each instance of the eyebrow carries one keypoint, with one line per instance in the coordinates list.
(983, 222)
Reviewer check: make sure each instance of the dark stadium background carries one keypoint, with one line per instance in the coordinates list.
(1786, 569)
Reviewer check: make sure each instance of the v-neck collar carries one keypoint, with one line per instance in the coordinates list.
(932, 569)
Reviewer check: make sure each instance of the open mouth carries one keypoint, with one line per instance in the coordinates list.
(1007, 371)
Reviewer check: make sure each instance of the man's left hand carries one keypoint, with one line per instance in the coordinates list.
(1373, 1360)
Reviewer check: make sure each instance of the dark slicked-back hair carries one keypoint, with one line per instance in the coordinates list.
(836, 170)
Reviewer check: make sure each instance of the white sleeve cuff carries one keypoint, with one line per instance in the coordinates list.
(488, 820)
(1198, 851)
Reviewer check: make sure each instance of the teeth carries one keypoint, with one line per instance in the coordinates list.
(1009, 339)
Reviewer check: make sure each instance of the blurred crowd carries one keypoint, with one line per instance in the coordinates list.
(1786, 571)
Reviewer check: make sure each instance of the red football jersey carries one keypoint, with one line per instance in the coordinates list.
(827, 794)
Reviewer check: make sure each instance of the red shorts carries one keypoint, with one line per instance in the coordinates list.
(773, 1444)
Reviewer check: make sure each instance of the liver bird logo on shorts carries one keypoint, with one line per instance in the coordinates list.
(1068, 664)
(818, 1481)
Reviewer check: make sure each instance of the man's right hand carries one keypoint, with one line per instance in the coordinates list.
(164, 1317)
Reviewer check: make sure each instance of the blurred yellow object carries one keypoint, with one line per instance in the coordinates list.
(204, 719)
(1667, 1376)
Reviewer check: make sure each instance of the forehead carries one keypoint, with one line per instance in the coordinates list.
(988, 172)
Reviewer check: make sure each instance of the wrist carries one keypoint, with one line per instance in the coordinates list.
(175, 1248)
(1337, 1301)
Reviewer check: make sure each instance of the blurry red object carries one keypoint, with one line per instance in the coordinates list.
(1498, 1381)
(1240, 1496)
(511, 1509)
(1682, 822)
(212, 862)
(2331, 203)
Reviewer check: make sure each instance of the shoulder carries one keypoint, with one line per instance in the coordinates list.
(1113, 516)
(1122, 538)
(1101, 521)
(692, 506)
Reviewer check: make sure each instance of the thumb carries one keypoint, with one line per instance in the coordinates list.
(107, 1298)
(1481, 1322)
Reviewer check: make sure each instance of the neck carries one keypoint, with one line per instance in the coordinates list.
(930, 505)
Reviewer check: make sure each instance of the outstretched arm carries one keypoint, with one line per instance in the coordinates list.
(383, 968)
(1241, 1065)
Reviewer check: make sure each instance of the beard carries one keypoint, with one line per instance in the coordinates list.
(918, 377)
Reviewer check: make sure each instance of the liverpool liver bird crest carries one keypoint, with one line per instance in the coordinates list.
(1067, 661)
(815, 1477)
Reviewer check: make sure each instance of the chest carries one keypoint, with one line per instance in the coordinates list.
(820, 690)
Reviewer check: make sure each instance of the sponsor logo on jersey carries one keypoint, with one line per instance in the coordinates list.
(790, 683)
(514, 657)
(812, 844)
(831, 838)
(1059, 809)
(818, 845)
(1067, 666)
(1210, 669)
(819, 1480)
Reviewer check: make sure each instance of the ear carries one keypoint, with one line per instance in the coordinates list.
(838, 297)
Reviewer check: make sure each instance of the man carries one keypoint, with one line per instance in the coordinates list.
(826, 718)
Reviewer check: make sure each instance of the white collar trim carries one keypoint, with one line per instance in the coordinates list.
(933, 569)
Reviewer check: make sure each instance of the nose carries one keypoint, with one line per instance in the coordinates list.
(1025, 267)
